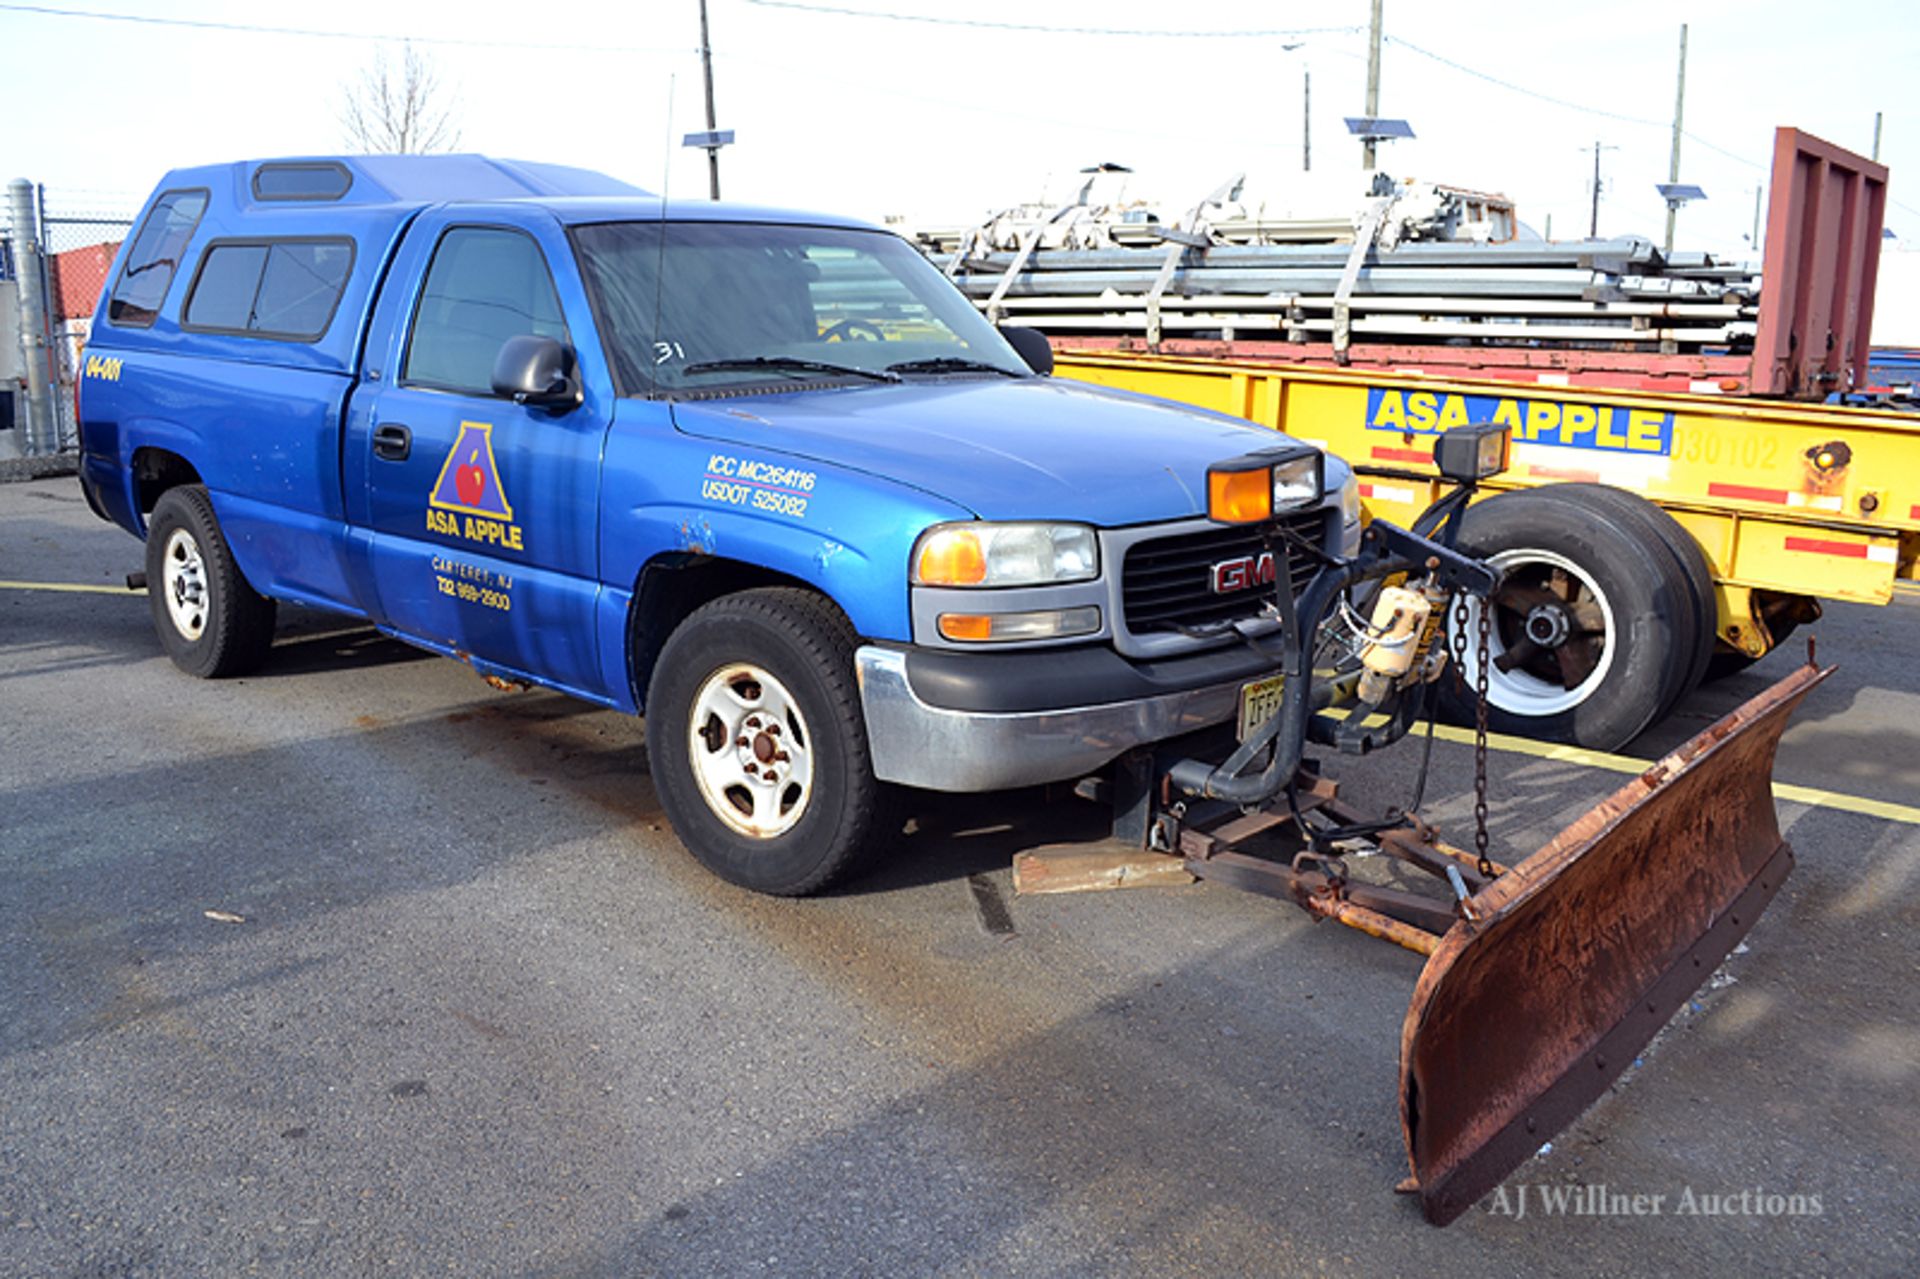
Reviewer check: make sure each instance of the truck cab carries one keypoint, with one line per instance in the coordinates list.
(764, 477)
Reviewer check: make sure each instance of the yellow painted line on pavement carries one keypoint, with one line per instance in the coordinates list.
(1813, 796)
(86, 588)
(1810, 795)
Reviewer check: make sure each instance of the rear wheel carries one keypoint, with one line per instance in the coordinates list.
(1697, 574)
(1593, 632)
(758, 745)
(210, 619)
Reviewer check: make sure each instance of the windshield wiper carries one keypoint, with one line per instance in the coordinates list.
(949, 364)
(786, 364)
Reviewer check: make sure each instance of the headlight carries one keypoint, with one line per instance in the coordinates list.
(1296, 483)
(1350, 499)
(1256, 487)
(1466, 454)
(979, 554)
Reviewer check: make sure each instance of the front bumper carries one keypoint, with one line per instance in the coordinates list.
(980, 742)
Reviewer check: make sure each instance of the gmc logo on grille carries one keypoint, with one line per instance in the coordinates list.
(1248, 571)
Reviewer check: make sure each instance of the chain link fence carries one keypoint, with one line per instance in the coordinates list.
(54, 263)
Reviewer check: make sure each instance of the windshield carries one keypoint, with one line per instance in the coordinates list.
(700, 306)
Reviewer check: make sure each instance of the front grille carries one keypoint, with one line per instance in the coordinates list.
(1166, 583)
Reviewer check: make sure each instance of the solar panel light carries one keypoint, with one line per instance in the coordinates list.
(1469, 454)
(1378, 128)
(1678, 193)
(1254, 487)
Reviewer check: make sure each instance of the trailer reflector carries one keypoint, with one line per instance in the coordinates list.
(1561, 473)
(1824, 546)
(1747, 493)
(1388, 493)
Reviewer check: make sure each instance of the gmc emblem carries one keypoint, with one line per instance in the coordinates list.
(1229, 576)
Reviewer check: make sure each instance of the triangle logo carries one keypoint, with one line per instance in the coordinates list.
(470, 479)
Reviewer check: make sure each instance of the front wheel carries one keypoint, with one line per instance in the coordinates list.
(210, 619)
(758, 745)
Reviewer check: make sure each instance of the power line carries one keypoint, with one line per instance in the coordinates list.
(1522, 90)
(1581, 107)
(1751, 164)
(1044, 29)
(249, 28)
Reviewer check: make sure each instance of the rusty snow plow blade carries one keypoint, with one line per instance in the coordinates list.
(1561, 970)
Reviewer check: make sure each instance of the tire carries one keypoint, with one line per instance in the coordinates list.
(1705, 612)
(764, 680)
(1627, 627)
(211, 621)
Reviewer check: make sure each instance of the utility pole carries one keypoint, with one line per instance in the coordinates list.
(706, 68)
(1756, 217)
(1373, 85)
(1875, 157)
(1593, 224)
(1306, 120)
(1679, 111)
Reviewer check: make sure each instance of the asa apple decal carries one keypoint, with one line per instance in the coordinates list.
(469, 480)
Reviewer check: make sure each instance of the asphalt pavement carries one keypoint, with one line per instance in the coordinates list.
(359, 966)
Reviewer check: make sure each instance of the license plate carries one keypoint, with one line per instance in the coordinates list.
(1259, 699)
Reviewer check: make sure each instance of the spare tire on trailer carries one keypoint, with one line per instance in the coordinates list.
(1596, 628)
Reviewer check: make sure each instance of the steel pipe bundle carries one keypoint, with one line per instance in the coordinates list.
(1597, 292)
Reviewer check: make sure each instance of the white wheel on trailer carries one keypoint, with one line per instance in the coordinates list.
(1559, 652)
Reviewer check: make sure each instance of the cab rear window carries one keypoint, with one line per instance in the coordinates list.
(154, 257)
(281, 289)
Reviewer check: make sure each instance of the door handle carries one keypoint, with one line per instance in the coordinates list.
(392, 442)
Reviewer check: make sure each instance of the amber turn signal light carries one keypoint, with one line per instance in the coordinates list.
(1240, 496)
(966, 626)
(952, 557)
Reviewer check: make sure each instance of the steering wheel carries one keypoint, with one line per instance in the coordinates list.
(844, 331)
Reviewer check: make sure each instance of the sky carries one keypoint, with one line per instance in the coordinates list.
(944, 110)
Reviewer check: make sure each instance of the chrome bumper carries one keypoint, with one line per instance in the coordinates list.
(915, 744)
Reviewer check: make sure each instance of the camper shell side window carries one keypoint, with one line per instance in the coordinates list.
(154, 258)
(285, 289)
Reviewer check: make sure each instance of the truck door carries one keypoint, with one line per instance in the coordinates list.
(476, 517)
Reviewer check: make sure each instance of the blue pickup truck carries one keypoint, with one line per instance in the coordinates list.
(764, 476)
(770, 480)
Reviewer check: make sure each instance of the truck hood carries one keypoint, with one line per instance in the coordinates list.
(1029, 449)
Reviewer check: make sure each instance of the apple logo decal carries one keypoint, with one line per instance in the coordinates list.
(470, 481)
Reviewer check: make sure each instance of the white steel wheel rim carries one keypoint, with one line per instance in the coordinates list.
(751, 750)
(1519, 691)
(184, 585)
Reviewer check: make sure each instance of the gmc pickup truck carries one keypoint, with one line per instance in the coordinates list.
(765, 477)
(771, 481)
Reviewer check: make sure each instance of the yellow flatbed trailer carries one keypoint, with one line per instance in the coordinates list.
(1790, 503)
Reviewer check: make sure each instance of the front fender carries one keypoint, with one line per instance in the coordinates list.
(863, 570)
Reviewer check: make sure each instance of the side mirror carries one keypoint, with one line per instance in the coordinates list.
(536, 370)
(1030, 345)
